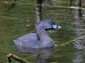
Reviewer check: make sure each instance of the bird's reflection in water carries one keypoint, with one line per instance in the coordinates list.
(42, 53)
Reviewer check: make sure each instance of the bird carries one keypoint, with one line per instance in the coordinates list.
(40, 39)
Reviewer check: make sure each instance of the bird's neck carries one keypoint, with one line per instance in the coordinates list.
(41, 33)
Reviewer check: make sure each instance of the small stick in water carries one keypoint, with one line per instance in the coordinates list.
(12, 56)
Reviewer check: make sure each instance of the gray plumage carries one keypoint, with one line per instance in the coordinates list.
(40, 39)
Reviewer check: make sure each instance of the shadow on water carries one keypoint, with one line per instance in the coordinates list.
(80, 24)
(20, 20)
(41, 55)
(79, 44)
(79, 57)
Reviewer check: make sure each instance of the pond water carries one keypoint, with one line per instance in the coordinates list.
(21, 19)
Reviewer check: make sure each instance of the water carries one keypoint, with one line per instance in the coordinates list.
(21, 19)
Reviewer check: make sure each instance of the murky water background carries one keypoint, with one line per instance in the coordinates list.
(21, 19)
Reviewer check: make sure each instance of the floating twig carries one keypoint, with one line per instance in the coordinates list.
(15, 57)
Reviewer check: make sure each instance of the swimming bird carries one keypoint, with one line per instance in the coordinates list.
(40, 39)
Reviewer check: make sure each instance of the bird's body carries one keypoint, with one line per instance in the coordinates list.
(31, 41)
(40, 39)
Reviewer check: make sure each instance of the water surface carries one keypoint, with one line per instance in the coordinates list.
(21, 19)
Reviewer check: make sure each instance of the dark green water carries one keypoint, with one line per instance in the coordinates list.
(21, 19)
